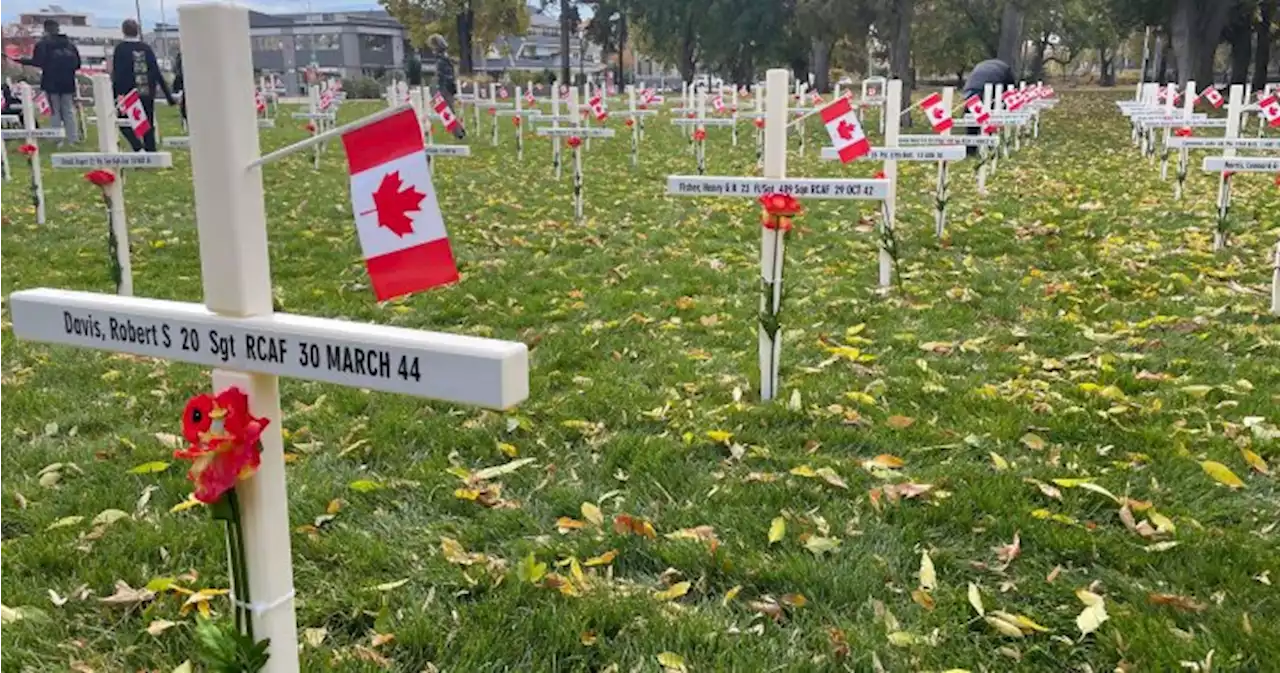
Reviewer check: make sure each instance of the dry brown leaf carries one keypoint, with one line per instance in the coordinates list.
(1184, 603)
(899, 422)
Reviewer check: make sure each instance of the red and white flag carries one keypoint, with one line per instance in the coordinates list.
(564, 92)
(938, 114)
(502, 93)
(1012, 99)
(1270, 109)
(976, 108)
(406, 248)
(597, 108)
(259, 102)
(846, 134)
(327, 99)
(42, 105)
(718, 103)
(1213, 96)
(529, 97)
(131, 105)
(816, 98)
(446, 115)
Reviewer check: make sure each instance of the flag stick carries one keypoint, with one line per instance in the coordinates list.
(321, 137)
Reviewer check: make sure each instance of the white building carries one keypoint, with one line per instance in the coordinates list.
(94, 42)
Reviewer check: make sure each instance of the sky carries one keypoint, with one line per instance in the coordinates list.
(114, 11)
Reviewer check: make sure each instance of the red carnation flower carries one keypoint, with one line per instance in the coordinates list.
(629, 122)
(493, 111)
(310, 127)
(989, 129)
(515, 121)
(759, 123)
(879, 175)
(574, 141)
(1184, 132)
(700, 134)
(100, 177)
(27, 149)
(691, 115)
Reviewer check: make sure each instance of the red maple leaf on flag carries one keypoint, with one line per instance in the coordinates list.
(845, 129)
(393, 204)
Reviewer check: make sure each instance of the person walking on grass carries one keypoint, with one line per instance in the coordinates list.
(446, 84)
(134, 66)
(58, 60)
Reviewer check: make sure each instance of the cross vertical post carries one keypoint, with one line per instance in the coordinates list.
(759, 103)
(948, 93)
(519, 124)
(235, 268)
(701, 145)
(1188, 107)
(108, 141)
(1164, 147)
(772, 244)
(29, 123)
(733, 110)
(893, 120)
(635, 126)
(556, 163)
(475, 105)
(577, 159)
(493, 107)
(1235, 100)
(1275, 282)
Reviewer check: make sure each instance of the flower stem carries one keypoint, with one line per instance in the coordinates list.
(239, 566)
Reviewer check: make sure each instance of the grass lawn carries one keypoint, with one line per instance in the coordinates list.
(1074, 326)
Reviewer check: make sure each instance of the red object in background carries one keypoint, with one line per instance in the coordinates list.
(100, 177)
(700, 135)
(780, 204)
(759, 123)
(574, 142)
(629, 122)
(28, 150)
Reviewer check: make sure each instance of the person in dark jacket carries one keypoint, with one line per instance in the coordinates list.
(446, 84)
(12, 104)
(134, 66)
(179, 86)
(58, 60)
(992, 71)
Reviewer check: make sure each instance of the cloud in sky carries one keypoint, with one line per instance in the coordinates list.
(115, 10)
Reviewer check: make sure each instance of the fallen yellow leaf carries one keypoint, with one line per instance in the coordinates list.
(1221, 474)
(777, 529)
(1255, 461)
(899, 422)
(673, 592)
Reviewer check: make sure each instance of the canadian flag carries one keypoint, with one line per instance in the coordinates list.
(597, 108)
(717, 103)
(259, 102)
(1211, 94)
(131, 105)
(42, 105)
(326, 100)
(976, 108)
(1012, 99)
(938, 114)
(846, 134)
(1270, 108)
(502, 92)
(816, 98)
(564, 92)
(446, 115)
(529, 97)
(406, 248)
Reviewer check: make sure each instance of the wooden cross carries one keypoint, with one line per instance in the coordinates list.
(519, 113)
(322, 119)
(772, 247)
(110, 156)
(637, 123)
(1228, 162)
(236, 331)
(31, 134)
(942, 154)
(557, 132)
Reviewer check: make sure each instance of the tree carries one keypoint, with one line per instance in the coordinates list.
(1268, 31)
(825, 23)
(1196, 31)
(470, 25)
(898, 15)
(672, 30)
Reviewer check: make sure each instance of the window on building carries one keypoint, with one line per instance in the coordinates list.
(78, 21)
(375, 42)
(320, 42)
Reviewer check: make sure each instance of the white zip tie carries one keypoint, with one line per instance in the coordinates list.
(259, 609)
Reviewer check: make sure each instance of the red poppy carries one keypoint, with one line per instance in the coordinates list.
(310, 127)
(759, 123)
(224, 440)
(515, 121)
(779, 204)
(100, 177)
(1278, 179)
(28, 149)
(196, 418)
(629, 122)
(574, 141)
(1228, 174)
(700, 134)
(989, 129)
(691, 115)
(879, 175)
(1184, 132)
(493, 111)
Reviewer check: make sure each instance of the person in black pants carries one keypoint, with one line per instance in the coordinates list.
(134, 66)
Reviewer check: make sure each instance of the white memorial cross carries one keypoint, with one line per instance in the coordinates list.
(772, 246)
(942, 154)
(236, 331)
(873, 89)
(495, 106)
(580, 132)
(8, 121)
(321, 119)
(517, 115)
(31, 134)
(109, 156)
(1227, 162)
(697, 120)
(1275, 282)
(636, 115)
(555, 118)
